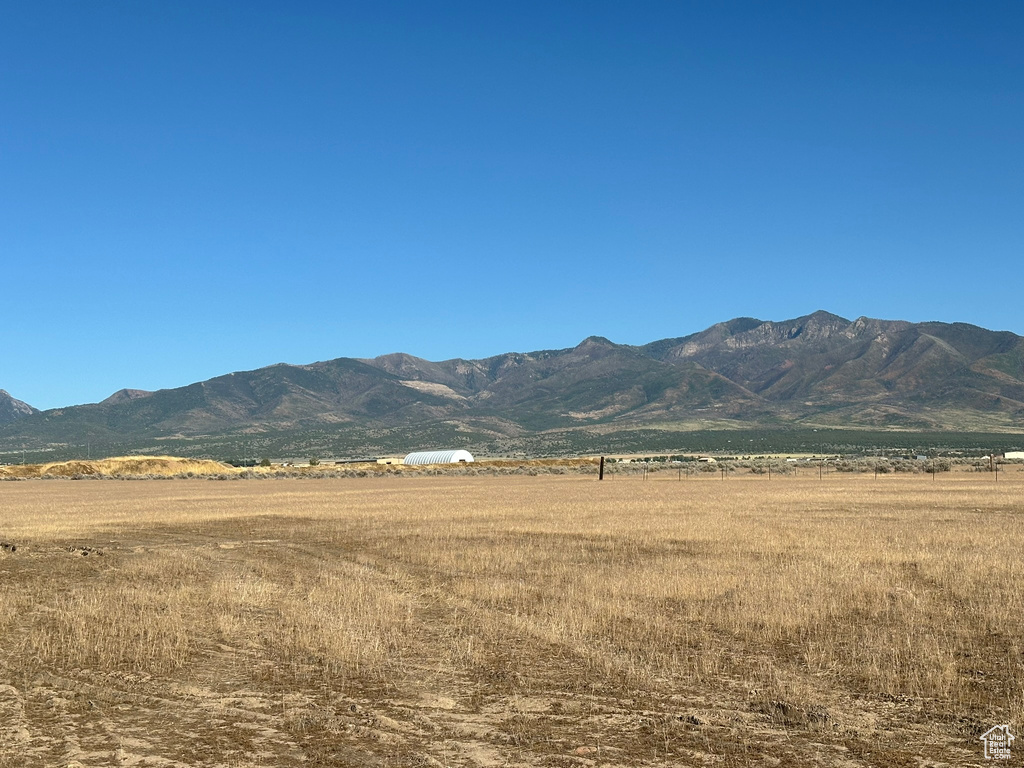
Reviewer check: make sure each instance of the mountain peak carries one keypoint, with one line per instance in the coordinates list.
(595, 341)
(822, 316)
(817, 325)
(125, 395)
(12, 409)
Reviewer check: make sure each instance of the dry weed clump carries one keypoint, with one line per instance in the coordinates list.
(343, 623)
(168, 611)
(145, 617)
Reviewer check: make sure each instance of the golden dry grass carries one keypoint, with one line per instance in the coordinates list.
(484, 621)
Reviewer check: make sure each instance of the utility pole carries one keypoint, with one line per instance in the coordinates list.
(600, 475)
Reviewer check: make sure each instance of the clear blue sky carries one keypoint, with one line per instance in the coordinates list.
(192, 188)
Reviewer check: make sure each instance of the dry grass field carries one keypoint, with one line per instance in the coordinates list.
(492, 621)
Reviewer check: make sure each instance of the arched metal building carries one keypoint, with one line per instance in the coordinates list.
(438, 457)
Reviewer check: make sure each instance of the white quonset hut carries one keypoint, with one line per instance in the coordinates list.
(438, 457)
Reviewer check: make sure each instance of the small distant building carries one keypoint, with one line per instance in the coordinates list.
(708, 460)
(391, 460)
(438, 457)
(1013, 455)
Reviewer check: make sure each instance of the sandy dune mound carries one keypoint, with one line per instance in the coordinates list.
(121, 465)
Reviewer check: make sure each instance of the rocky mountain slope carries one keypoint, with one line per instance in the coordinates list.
(11, 410)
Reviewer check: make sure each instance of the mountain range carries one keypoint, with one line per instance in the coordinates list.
(816, 371)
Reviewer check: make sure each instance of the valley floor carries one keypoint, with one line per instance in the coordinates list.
(492, 621)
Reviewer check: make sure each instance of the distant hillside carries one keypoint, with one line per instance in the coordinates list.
(11, 410)
(818, 371)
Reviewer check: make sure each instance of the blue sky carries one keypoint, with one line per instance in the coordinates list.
(191, 188)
